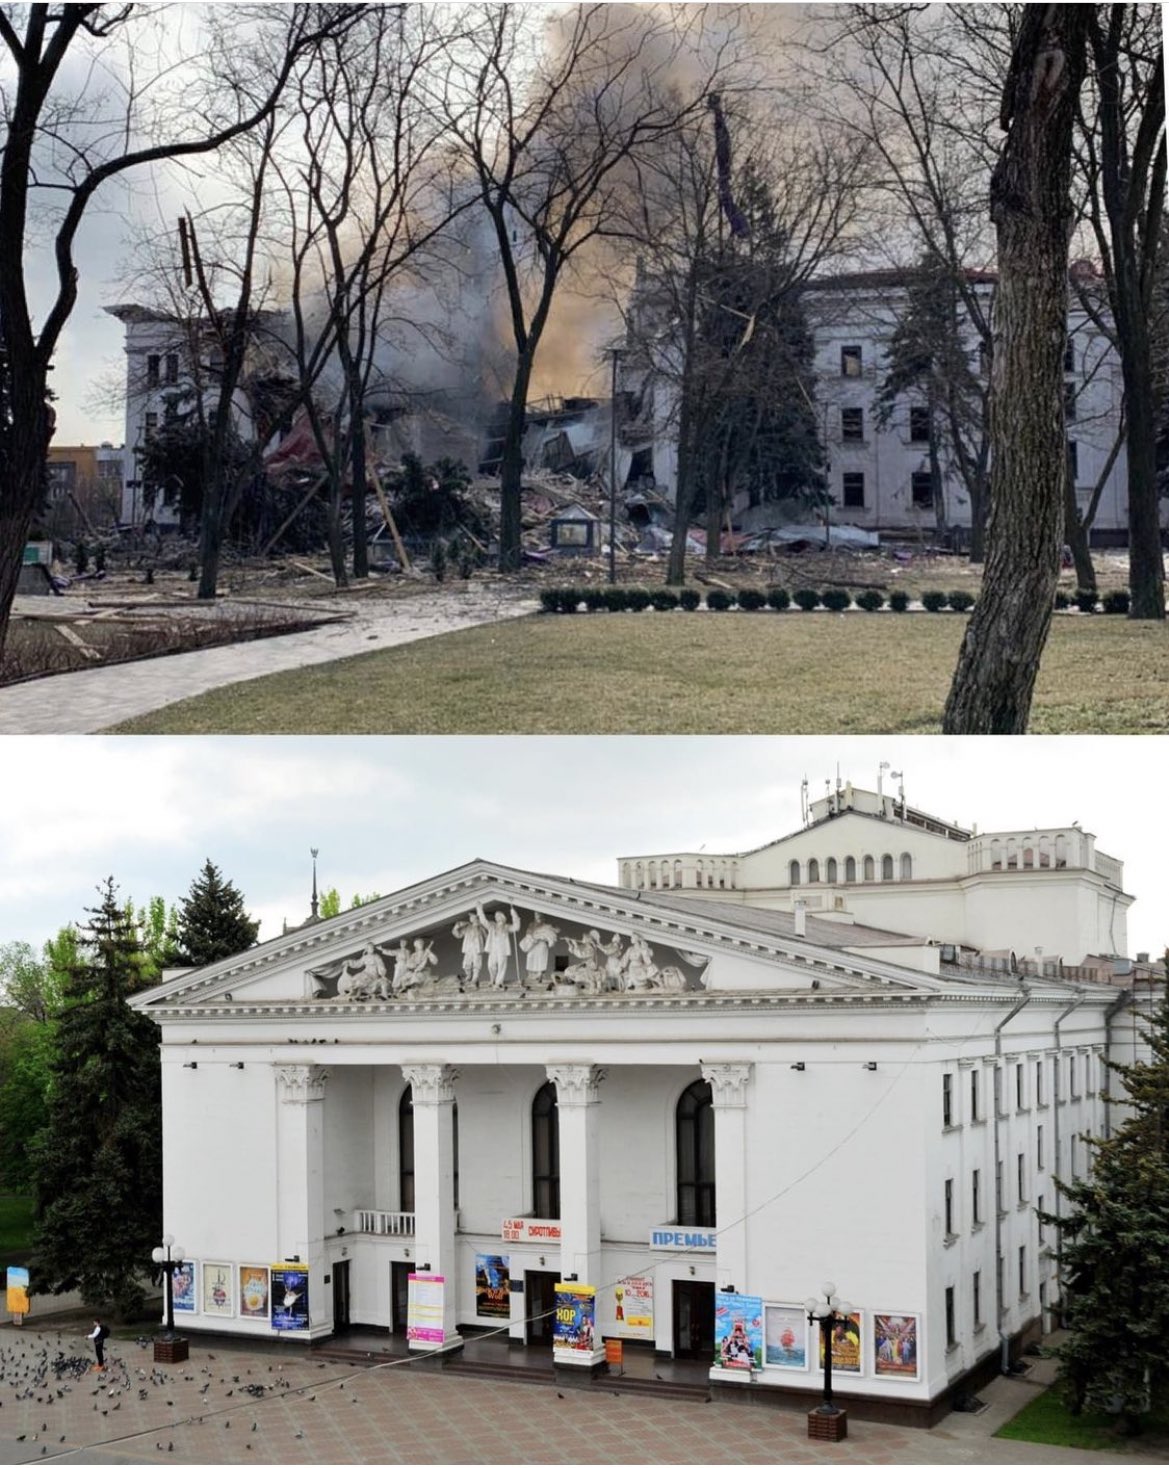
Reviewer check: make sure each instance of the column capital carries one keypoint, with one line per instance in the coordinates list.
(728, 1081)
(299, 1084)
(577, 1085)
(431, 1084)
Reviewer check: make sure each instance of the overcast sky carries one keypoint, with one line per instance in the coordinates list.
(388, 812)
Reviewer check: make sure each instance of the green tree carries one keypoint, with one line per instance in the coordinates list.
(331, 901)
(212, 924)
(1115, 1244)
(158, 937)
(30, 991)
(98, 1162)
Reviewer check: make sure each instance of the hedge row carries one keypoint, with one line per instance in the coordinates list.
(637, 599)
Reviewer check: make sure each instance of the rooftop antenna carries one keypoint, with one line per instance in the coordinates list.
(316, 910)
(899, 776)
(805, 812)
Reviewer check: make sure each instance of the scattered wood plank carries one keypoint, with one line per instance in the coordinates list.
(312, 489)
(391, 524)
(311, 570)
(79, 643)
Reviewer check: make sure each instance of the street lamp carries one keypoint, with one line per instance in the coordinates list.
(168, 1258)
(828, 1421)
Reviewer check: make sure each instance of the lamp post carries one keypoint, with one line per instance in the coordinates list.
(168, 1258)
(827, 1422)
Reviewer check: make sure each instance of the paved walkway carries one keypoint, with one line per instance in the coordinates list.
(96, 698)
(234, 1405)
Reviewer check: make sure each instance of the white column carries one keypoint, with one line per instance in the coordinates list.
(300, 1174)
(434, 1183)
(728, 1084)
(577, 1102)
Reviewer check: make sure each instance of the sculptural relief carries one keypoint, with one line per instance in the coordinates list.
(537, 944)
(498, 942)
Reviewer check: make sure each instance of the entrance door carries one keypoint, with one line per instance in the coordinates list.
(539, 1307)
(341, 1295)
(693, 1320)
(399, 1296)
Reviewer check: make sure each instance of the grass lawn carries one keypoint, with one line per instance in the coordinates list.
(679, 673)
(15, 1227)
(1047, 1420)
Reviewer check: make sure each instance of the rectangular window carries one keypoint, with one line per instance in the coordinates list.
(172, 367)
(919, 425)
(949, 1207)
(976, 1196)
(1069, 356)
(1069, 402)
(1039, 1083)
(1072, 1077)
(922, 489)
(1021, 1176)
(974, 1095)
(153, 363)
(854, 491)
(1039, 1148)
(1073, 460)
(1022, 1269)
(851, 364)
(999, 1107)
(852, 425)
(1020, 1089)
(947, 1099)
(1039, 1210)
(951, 1337)
(976, 1296)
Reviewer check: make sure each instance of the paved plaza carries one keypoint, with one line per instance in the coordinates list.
(230, 1404)
(93, 699)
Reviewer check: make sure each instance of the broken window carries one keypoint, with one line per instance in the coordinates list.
(919, 425)
(854, 491)
(851, 364)
(852, 425)
(153, 363)
(172, 367)
(922, 489)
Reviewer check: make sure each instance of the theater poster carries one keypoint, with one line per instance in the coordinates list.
(785, 1341)
(633, 1312)
(289, 1297)
(424, 1309)
(253, 1291)
(895, 1346)
(576, 1317)
(846, 1344)
(217, 1291)
(738, 1331)
(183, 1287)
(493, 1286)
(16, 1290)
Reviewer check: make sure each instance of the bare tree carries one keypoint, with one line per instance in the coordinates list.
(1032, 211)
(60, 149)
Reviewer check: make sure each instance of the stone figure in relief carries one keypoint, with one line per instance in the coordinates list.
(589, 969)
(537, 944)
(473, 935)
(417, 960)
(614, 961)
(498, 942)
(364, 976)
(638, 965)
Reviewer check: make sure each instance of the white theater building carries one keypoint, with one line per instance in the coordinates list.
(859, 1054)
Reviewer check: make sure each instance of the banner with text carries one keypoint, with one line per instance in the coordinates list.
(576, 1317)
(424, 1308)
(492, 1286)
(738, 1331)
(634, 1312)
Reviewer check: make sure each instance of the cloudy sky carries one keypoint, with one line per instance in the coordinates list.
(387, 812)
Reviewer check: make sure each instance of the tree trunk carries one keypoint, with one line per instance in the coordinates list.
(1075, 533)
(1146, 566)
(1031, 208)
(511, 468)
(336, 540)
(358, 490)
(683, 495)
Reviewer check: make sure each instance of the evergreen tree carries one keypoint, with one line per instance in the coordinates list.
(98, 1161)
(1116, 1250)
(212, 923)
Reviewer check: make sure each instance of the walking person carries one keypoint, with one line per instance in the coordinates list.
(98, 1336)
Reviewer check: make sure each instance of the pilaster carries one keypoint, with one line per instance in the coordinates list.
(433, 1095)
(728, 1081)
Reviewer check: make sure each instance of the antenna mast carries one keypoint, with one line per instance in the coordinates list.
(316, 911)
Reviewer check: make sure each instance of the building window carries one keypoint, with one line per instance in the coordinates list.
(172, 367)
(1020, 1089)
(406, 1151)
(975, 1098)
(695, 1156)
(1069, 402)
(853, 486)
(949, 1207)
(921, 488)
(886, 869)
(870, 869)
(1040, 1210)
(793, 874)
(1022, 1269)
(813, 870)
(830, 870)
(906, 867)
(1039, 1149)
(1073, 470)
(153, 364)
(1039, 1101)
(850, 868)
(976, 1297)
(951, 1338)
(919, 425)
(947, 1099)
(1072, 1077)
(976, 1196)
(852, 425)
(851, 363)
(1021, 1176)
(546, 1153)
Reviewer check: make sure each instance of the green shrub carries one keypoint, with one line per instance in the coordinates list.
(689, 600)
(752, 600)
(899, 601)
(663, 600)
(1062, 601)
(596, 598)
(1116, 603)
(616, 598)
(806, 599)
(778, 599)
(550, 599)
(1086, 600)
(934, 601)
(870, 601)
(719, 601)
(836, 600)
(637, 598)
(961, 601)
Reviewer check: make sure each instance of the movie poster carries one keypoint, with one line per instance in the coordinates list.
(217, 1290)
(846, 1344)
(895, 1345)
(289, 1297)
(634, 1307)
(16, 1292)
(576, 1317)
(424, 1309)
(786, 1337)
(183, 1286)
(253, 1291)
(738, 1331)
(493, 1286)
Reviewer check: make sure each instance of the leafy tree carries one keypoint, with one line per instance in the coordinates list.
(212, 923)
(158, 936)
(31, 988)
(331, 902)
(98, 1163)
(1115, 1244)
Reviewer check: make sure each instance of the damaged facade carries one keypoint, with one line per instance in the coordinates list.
(696, 1080)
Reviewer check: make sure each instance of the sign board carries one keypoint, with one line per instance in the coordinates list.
(530, 1231)
(574, 1328)
(492, 1286)
(424, 1309)
(289, 1297)
(738, 1331)
(634, 1306)
(17, 1291)
(671, 1238)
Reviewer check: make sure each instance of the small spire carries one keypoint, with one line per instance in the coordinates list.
(316, 911)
